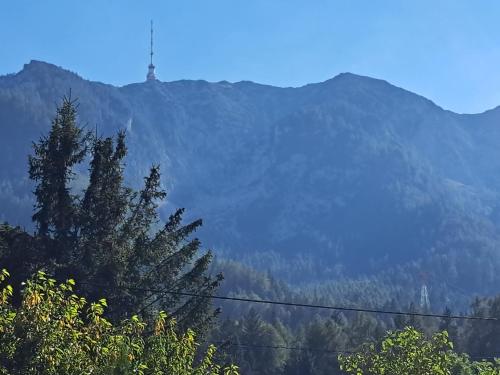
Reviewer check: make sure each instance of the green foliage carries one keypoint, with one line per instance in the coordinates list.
(254, 331)
(51, 167)
(464, 366)
(483, 337)
(409, 352)
(324, 334)
(250, 342)
(325, 338)
(108, 236)
(55, 331)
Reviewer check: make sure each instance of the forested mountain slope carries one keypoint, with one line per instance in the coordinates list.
(348, 177)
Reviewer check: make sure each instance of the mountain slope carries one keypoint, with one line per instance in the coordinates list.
(346, 177)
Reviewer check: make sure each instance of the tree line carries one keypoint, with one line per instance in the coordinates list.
(127, 310)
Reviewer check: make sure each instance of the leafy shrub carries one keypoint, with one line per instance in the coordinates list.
(54, 331)
(409, 352)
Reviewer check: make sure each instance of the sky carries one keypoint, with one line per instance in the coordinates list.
(447, 51)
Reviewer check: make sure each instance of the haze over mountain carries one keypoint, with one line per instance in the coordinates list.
(348, 177)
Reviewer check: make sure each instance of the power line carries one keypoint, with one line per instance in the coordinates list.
(306, 305)
(303, 305)
(326, 307)
(283, 347)
(324, 351)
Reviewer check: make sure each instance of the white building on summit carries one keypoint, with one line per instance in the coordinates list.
(151, 68)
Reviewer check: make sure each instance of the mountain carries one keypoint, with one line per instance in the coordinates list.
(352, 176)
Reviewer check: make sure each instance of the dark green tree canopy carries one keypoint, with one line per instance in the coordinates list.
(109, 236)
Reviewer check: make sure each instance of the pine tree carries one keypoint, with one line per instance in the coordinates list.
(20, 251)
(98, 258)
(482, 338)
(51, 168)
(106, 237)
(449, 325)
(258, 333)
(321, 340)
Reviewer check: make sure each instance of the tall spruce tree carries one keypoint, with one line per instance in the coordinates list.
(107, 236)
(51, 167)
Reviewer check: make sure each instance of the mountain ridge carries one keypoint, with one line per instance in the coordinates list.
(327, 173)
(40, 65)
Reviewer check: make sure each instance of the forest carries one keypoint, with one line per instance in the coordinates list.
(104, 285)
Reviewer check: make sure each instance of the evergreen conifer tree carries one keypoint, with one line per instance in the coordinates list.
(107, 236)
(51, 168)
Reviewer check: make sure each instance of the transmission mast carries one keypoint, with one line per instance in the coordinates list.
(151, 68)
(425, 304)
(424, 298)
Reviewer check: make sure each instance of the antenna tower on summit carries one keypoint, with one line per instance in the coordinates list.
(151, 68)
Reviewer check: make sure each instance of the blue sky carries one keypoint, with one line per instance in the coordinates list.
(448, 51)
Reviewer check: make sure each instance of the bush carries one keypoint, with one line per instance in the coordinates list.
(54, 331)
(409, 352)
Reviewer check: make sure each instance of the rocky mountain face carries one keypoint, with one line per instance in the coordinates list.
(345, 177)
